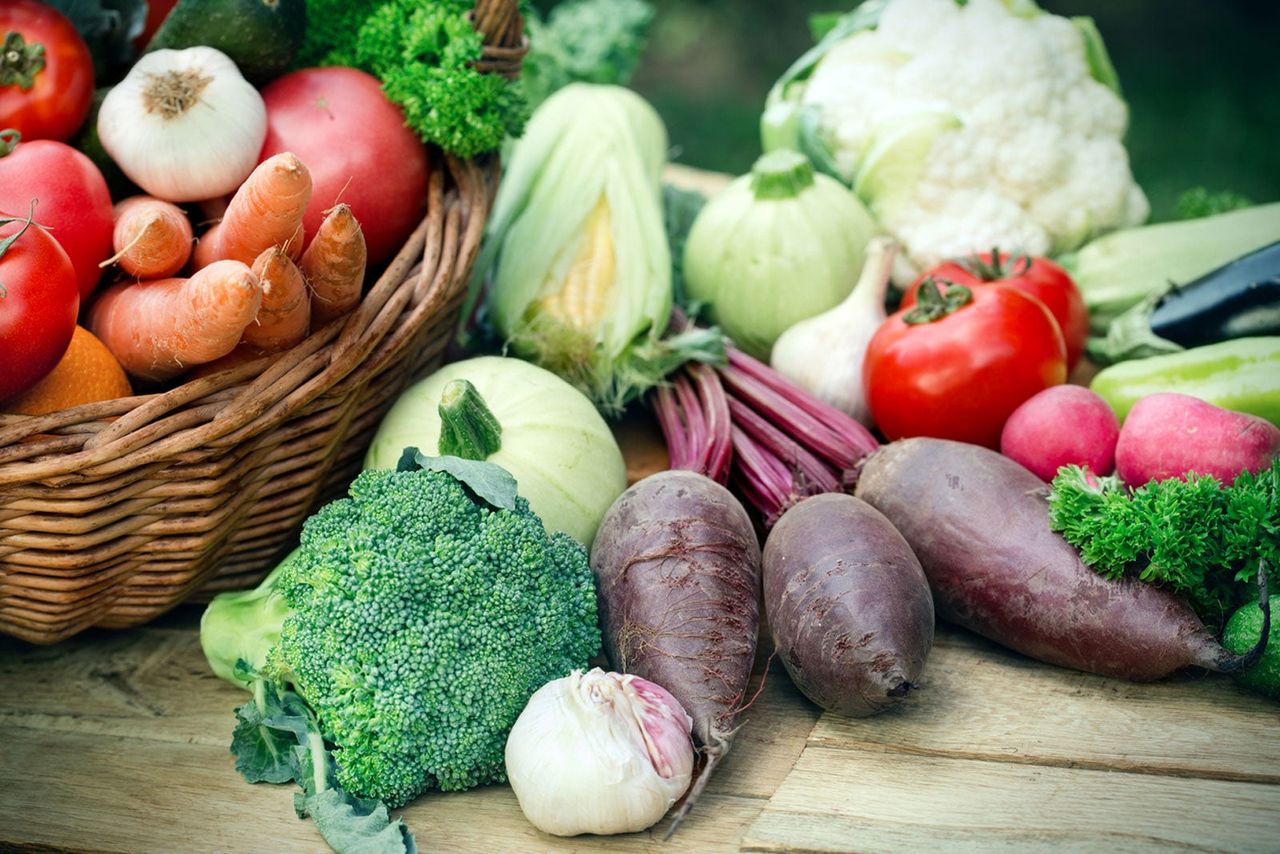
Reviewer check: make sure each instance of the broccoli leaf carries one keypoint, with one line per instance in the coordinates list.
(277, 740)
(491, 483)
(349, 823)
(264, 752)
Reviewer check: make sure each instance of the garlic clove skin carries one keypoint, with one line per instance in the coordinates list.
(599, 753)
(824, 353)
(184, 125)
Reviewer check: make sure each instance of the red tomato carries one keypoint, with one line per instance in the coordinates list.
(355, 143)
(73, 201)
(46, 101)
(962, 374)
(38, 305)
(1039, 277)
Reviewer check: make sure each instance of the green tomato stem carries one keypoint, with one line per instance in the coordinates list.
(26, 223)
(781, 174)
(20, 62)
(933, 305)
(9, 139)
(468, 428)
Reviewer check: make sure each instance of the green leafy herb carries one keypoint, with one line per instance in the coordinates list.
(1199, 202)
(1197, 537)
(424, 53)
(590, 41)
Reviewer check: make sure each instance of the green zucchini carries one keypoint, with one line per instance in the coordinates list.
(262, 37)
(1119, 270)
(1242, 375)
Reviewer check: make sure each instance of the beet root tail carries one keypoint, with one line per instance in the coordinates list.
(714, 753)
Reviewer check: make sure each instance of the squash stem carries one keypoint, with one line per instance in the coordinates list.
(781, 174)
(468, 428)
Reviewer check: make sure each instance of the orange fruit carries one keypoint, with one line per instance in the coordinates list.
(87, 373)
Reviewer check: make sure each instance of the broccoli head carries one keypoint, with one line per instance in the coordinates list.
(421, 619)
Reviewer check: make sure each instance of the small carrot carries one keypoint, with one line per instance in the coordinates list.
(285, 313)
(266, 211)
(158, 329)
(152, 238)
(334, 265)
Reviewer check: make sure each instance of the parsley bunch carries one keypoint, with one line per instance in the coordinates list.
(1197, 537)
(424, 52)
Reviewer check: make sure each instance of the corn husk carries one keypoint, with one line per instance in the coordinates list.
(576, 257)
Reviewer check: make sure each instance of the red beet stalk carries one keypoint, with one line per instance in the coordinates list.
(786, 444)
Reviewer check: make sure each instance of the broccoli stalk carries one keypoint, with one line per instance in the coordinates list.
(419, 615)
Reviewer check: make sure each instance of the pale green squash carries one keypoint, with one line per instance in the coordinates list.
(564, 458)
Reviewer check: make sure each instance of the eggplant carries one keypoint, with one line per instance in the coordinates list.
(1240, 299)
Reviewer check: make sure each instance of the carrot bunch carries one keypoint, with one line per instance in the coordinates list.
(251, 289)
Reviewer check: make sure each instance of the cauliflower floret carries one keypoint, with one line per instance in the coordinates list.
(1033, 159)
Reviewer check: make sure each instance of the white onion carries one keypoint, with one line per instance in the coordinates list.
(184, 125)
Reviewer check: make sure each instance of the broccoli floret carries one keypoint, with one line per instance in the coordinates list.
(422, 621)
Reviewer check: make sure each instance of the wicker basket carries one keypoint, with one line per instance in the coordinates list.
(114, 512)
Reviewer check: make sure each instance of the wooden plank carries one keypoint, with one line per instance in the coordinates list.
(980, 701)
(118, 742)
(108, 793)
(867, 801)
(490, 820)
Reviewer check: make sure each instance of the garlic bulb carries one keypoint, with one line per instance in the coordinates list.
(824, 353)
(184, 125)
(599, 752)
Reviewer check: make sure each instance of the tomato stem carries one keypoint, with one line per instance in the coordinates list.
(9, 139)
(26, 223)
(934, 304)
(995, 270)
(20, 62)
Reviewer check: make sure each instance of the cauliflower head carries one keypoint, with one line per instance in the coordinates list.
(966, 126)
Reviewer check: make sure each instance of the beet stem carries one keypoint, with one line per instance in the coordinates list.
(716, 406)
(673, 429)
(852, 440)
(817, 476)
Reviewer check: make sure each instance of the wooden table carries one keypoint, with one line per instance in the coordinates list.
(117, 742)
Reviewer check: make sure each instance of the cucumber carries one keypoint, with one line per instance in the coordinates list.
(262, 37)
(1244, 629)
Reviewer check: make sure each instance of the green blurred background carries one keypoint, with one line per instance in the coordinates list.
(1202, 78)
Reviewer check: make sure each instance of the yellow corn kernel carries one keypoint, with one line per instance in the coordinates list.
(586, 295)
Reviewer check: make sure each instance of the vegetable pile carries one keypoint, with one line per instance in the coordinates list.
(927, 361)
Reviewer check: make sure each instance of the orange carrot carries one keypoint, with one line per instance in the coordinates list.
(159, 329)
(152, 238)
(285, 313)
(334, 265)
(266, 211)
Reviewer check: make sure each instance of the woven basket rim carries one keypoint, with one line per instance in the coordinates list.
(251, 396)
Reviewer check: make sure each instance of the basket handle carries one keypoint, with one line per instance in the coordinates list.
(505, 44)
